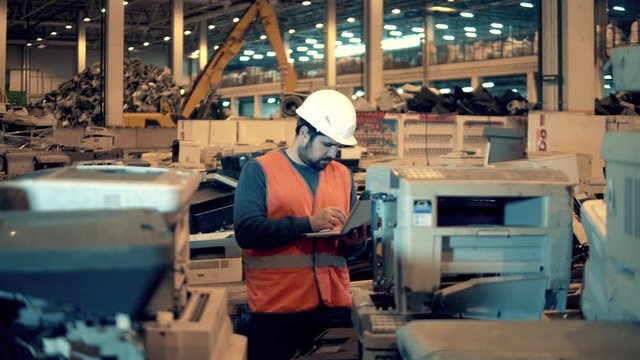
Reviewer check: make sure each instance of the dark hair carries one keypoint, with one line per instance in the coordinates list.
(313, 132)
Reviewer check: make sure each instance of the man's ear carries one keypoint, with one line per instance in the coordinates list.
(304, 131)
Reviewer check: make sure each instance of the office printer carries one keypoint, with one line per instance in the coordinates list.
(479, 243)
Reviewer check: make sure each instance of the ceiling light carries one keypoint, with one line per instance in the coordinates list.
(514, 90)
(53, 33)
(292, 31)
(258, 56)
(442, 26)
(187, 32)
(196, 52)
(263, 37)
(359, 93)
(351, 19)
(271, 53)
(244, 58)
(449, 37)
(319, 25)
(318, 56)
(235, 20)
(86, 19)
(318, 46)
(249, 52)
(497, 25)
(216, 47)
(68, 26)
(271, 100)
(125, 3)
(29, 44)
(608, 77)
(466, 14)
(310, 41)
(104, 10)
(467, 89)
(488, 85)
(390, 27)
(355, 40)
(443, 9)
(211, 27)
(469, 29)
(130, 48)
(167, 38)
(306, 3)
(312, 52)
(526, 5)
(618, 8)
(39, 39)
(495, 31)
(395, 33)
(396, 11)
(338, 42)
(470, 34)
(417, 29)
(41, 46)
(445, 91)
(346, 34)
(607, 86)
(302, 48)
(146, 43)
(289, 51)
(303, 58)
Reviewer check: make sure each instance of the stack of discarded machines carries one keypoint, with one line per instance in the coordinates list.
(94, 241)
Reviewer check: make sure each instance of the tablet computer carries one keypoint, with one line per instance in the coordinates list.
(360, 215)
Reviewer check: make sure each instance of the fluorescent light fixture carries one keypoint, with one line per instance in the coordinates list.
(196, 52)
(396, 11)
(466, 14)
(449, 37)
(248, 52)
(421, 35)
(607, 86)
(469, 29)
(442, 26)
(271, 100)
(306, 3)
(404, 42)
(167, 38)
(390, 27)
(68, 26)
(608, 77)
(497, 25)
(351, 19)
(310, 41)
(445, 91)
(400, 91)
(263, 37)
(488, 84)
(359, 93)
(244, 58)
(104, 10)
(395, 33)
(258, 56)
(302, 48)
(495, 31)
(319, 25)
(211, 27)
(226, 103)
(289, 51)
(471, 35)
(291, 31)
(467, 89)
(444, 9)
(318, 56)
(349, 50)
(514, 90)
(29, 44)
(235, 20)
(346, 34)
(146, 43)
(312, 52)
(130, 48)
(355, 40)
(39, 39)
(53, 33)
(303, 58)
(526, 5)
(417, 29)
(187, 32)
(318, 46)
(618, 8)
(125, 3)
(216, 47)
(271, 53)
(86, 19)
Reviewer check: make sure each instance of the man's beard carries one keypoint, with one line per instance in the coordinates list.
(319, 165)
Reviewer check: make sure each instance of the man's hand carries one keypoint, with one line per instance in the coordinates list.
(355, 236)
(327, 218)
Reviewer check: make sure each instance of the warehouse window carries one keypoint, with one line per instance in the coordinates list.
(498, 85)
(403, 35)
(245, 106)
(270, 106)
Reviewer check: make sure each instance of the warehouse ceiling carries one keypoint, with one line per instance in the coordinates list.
(148, 21)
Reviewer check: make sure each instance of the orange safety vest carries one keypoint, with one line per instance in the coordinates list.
(296, 276)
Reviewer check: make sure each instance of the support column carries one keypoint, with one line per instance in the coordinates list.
(549, 56)
(114, 89)
(330, 34)
(373, 81)
(257, 106)
(579, 70)
(233, 105)
(177, 41)
(81, 44)
(429, 47)
(475, 82)
(3, 47)
(203, 56)
(532, 92)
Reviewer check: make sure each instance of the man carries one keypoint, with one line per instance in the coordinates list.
(298, 286)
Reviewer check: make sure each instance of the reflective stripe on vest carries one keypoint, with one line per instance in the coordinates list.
(293, 261)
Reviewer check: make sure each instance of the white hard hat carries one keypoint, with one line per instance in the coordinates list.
(331, 113)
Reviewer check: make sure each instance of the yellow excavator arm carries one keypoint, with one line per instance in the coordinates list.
(210, 77)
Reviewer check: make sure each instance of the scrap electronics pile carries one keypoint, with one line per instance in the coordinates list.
(77, 102)
(479, 102)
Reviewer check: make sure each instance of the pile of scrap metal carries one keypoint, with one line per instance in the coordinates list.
(78, 102)
(621, 103)
(425, 100)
